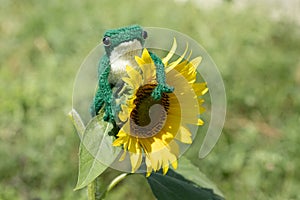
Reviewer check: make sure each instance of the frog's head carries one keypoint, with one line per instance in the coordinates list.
(124, 39)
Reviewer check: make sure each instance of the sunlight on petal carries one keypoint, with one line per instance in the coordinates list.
(166, 59)
(184, 135)
(176, 62)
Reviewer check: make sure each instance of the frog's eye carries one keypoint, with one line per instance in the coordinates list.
(106, 41)
(144, 34)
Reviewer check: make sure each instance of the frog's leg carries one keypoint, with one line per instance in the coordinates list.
(160, 78)
(97, 103)
(104, 93)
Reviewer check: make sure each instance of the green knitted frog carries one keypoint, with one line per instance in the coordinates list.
(121, 46)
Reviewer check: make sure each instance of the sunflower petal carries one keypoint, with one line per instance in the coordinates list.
(200, 122)
(167, 137)
(123, 116)
(135, 160)
(184, 135)
(122, 139)
(196, 61)
(128, 81)
(174, 164)
(139, 61)
(146, 56)
(161, 150)
(149, 167)
(166, 59)
(123, 156)
(201, 109)
(165, 168)
(174, 148)
(176, 62)
(122, 133)
(173, 160)
(200, 88)
(134, 76)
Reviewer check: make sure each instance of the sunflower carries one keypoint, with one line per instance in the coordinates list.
(152, 130)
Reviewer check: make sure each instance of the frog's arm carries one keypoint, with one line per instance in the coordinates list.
(160, 78)
(104, 92)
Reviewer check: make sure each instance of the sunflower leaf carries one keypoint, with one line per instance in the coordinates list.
(95, 152)
(174, 186)
(187, 169)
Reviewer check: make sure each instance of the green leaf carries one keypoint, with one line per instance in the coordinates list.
(173, 186)
(77, 121)
(187, 169)
(96, 152)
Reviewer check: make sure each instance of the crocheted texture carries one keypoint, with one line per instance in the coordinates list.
(104, 92)
(124, 34)
(160, 78)
(103, 96)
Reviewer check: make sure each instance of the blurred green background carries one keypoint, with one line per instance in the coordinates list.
(44, 42)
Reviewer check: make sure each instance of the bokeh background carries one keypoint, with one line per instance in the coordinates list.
(256, 47)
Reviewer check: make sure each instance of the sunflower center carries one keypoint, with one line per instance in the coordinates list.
(149, 115)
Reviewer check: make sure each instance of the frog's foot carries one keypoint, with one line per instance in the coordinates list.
(95, 107)
(115, 130)
(160, 89)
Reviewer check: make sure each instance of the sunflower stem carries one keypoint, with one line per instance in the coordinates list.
(91, 191)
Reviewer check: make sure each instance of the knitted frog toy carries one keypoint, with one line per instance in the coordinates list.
(121, 46)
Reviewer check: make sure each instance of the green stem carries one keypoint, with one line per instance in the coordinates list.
(91, 191)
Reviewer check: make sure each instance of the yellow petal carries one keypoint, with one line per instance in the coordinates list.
(149, 167)
(167, 137)
(122, 133)
(128, 81)
(196, 61)
(200, 88)
(174, 164)
(201, 109)
(174, 148)
(146, 144)
(157, 145)
(123, 116)
(165, 168)
(155, 161)
(184, 135)
(200, 122)
(132, 145)
(135, 160)
(149, 73)
(123, 156)
(172, 159)
(146, 56)
(148, 174)
(122, 139)
(139, 61)
(176, 62)
(134, 76)
(118, 142)
(166, 59)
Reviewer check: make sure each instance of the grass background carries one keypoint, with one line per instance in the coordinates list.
(44, 42)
